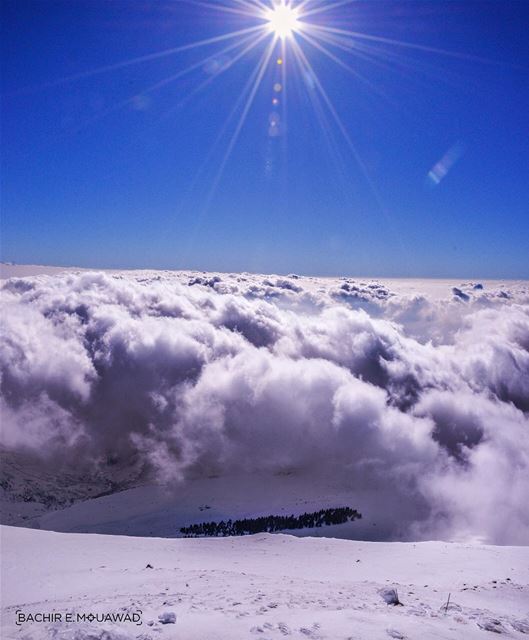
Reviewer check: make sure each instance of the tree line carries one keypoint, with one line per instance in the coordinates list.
(269, 524)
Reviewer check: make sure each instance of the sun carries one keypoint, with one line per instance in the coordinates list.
(283, 20)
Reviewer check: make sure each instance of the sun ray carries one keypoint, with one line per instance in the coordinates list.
(325, 126)
(352, 147)
(247, 11)
(254, 43)
(218, 140)
(248, 93)
(172, 78)
(380, 55)
(146, 58)
(253, 4)
(262, 68)
(326, 8)
(359, 50)
(303, 4)
(398, 43)
(342, 64)
(226, 123)
(376, 56)
(339, 123)
(284, 100)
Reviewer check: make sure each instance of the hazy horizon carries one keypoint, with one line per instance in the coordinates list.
(32, 268)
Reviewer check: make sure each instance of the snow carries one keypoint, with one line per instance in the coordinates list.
(154, 510)
(264, 586)
(167, 617)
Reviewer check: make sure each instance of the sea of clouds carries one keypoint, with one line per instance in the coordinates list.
(423, 397)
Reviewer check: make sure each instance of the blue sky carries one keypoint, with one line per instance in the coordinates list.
(100, 171)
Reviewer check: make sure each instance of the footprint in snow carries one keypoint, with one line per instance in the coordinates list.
(283, 627)
(311, 633)
(390, 596)
(257, 630)
(491, 624)
(520, 625)
(394, 633)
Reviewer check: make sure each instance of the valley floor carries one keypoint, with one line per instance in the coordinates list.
(263, 586)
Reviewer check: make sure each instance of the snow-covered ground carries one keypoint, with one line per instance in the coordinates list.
(154, 510)
(264, 586)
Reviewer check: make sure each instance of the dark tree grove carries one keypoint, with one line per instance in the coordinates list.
(324, 517)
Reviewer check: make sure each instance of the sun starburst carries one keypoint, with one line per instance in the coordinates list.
(283, 20)
(290, 33)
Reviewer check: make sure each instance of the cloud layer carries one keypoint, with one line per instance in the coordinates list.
(421, 396)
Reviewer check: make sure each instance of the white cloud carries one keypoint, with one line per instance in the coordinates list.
(422, 397)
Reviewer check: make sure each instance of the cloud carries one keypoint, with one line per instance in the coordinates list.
(421, 397)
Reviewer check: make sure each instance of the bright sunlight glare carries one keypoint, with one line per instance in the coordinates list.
(283, 30)
(283, 19)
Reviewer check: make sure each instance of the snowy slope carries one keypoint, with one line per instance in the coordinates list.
(29, 489)
(160, 511)
(264, 586)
